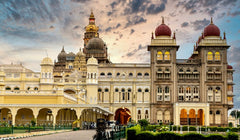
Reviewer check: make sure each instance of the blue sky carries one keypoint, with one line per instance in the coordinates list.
(30, 28)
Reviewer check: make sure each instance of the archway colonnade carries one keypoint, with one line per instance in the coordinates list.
(51, 115)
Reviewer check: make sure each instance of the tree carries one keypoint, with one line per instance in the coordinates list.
(143, 123)
(233, 114)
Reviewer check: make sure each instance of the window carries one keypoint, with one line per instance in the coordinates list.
(210, 112)
(109, 74)
(123, 96)
(130, 74)
(159, 56)
(99, 90)
(7, 88)
(45, 75)
(139, 90)
(180, 90)
(106, 90)
(70, 66)
(118, 74)
(139, 74)
(16, 88)
(116, 90)
(159, 69)
(16, 75)
(167, 55)
(181, 70)
(28, 88)
(188, 90)
(129, 90)
(50, 75)
(36, 88)
(159, 90)
(188, 70)
(166, 89)
(146, 90)
(217, 112)
(195, 90)
(210, 56)
(146, 114)
(217, 56)
(146, 74)
(123, 90)
(139, 115)
(102, 74)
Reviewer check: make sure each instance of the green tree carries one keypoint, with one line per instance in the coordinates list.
(235, 114)
(143, 123)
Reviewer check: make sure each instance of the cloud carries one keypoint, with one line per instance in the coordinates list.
(152, 9)
(80, 1)
(135, 20)
(118, 25)
(184, 24)
(133, 52)
(200, 24)
(233, 55)
(51, 27)
(108, 29)
(236, 13)
(136, 6)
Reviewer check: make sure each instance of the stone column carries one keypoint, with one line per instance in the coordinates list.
(35, 113)
(54, 116)
(14, 113)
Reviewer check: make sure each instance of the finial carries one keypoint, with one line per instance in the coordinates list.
(202, 35)
(96, 35)
(224, 35)
(211, 20)
(63, 49)
(162, 20)
(152, 36)
(174, 35)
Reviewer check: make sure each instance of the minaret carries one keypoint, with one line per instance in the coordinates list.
(46, 79)
(91, 30)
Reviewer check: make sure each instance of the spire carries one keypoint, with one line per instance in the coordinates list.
(202, 35)
(211, 20)
(63, 49)
(91, 15)
(224, 35)
(162, 20)
(152, 36)
(174, 35)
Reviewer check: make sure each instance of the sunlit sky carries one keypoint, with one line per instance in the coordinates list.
(32, 29)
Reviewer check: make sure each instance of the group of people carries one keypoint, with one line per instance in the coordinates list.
(89, 125)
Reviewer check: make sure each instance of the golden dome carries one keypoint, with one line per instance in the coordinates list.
(91, 28)
(47, 61)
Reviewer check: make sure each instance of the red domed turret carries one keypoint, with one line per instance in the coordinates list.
(163, 30)
(211, 30)
(229, 67)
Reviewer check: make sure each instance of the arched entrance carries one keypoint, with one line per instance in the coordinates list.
(192, 117)
(122, 115)
(66, 117)
(70, 91)
(183, 117)
(5, 116)
(24, 117)
(45, 117)
(200, 117)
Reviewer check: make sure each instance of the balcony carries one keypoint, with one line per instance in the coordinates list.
(230, 93)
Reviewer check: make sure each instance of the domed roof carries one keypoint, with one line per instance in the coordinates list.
(95, 43)
(229, 67)
(62, 55)
(47, 61)
(211, 30)
(80, 53)
(163, 30)
(92, 61)
(71, 54)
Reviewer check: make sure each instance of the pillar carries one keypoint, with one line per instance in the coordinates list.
(35, 113)
(14, 113)
(54, 116)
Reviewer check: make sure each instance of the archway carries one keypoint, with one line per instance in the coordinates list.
(66, 117)
(192, 117)
(122, 115)
(5, 116)
(200, 117)
(24, 116)
(45, 117)
(183, 117)
(70, 91)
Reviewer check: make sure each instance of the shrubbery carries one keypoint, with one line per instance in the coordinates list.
(5, 130)
(136, 133)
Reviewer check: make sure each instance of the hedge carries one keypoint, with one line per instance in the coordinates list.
(5, 130)
(133, 134)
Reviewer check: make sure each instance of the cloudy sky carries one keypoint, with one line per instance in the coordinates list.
(31, 29)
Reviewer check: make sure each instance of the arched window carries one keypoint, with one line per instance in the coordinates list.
(181, 70)
(188, 70)
(109, 74)
(146, 74)
(166, 89)
(217, 56)
(139, 115)
(188, 90)
(217, 89)
(195, 90)
(167, 56)
(139, 90)
(210, 88)
(129, 90)
(159, 69)
(130, 74)
(50, 75)
(118, 74)
(7, 88)
(210, 112)
(36, 88)
(99, 90)
(180, 90)
(45, 75)
(102, 74)
(123, 90)
(106, 90)
(28, 88)
(146, 90)
(159, 56)
(159, 90)
(210, 56)
(139, 74)
(16, 88)
(116, 90)
(217, 112)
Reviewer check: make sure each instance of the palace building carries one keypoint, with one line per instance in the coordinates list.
(86, 86)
